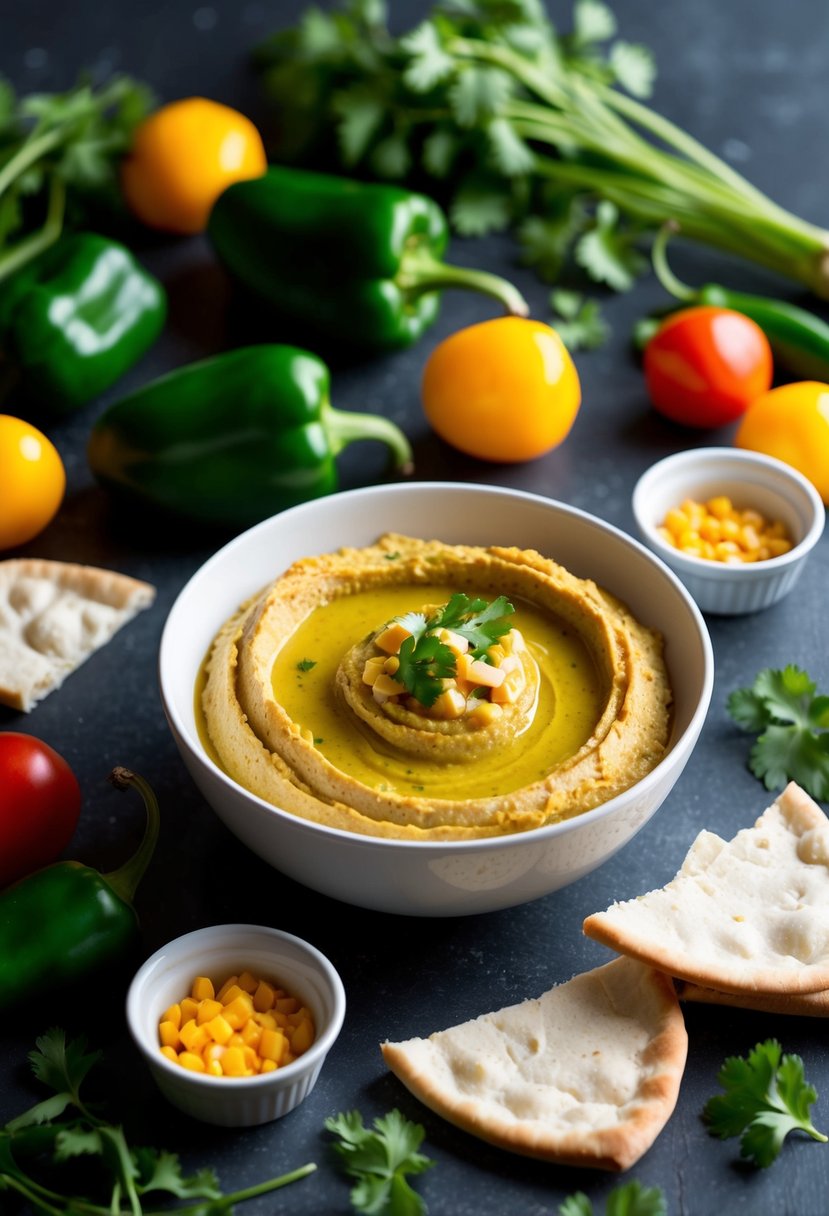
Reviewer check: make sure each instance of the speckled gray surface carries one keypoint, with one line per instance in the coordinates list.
(747, 78)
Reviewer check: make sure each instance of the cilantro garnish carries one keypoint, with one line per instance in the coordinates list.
(630, 1199)
(41, 1136)
(792, 725)
(766, 1097)
(379, 1161)
(306, 664)
(579, 322)
(425, 661)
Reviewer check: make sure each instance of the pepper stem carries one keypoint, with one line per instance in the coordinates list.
(124, 881)
(31, 246)
(659, 257)
(421, 272)
(344, 427)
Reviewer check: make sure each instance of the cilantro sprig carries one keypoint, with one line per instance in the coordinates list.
(792, 725)
(379, 1159)
(630, 1199)
(64, 1126)
(522, 125)
(425, 661)
(57, 151)
(766, 1097)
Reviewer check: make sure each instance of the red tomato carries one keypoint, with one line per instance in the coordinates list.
(40, 802)
(704, 366)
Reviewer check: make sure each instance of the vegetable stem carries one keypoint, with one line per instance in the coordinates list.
(421, 272)
(124, 881)
(345, 426)
(30, 247)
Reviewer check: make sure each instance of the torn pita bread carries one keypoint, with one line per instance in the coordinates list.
(746, 915)
(587, 1074)
(53, 616)
(798, 1004)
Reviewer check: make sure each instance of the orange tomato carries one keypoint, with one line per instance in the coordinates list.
(183, 157)
(705, 365)
(503, 390)
(792, 423)
(32, 478)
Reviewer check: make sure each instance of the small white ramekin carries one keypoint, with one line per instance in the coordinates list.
(749, 479)
(219, 951)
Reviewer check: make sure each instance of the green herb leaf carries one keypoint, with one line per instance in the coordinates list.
(425, 663)
(510, 154)
(306, 664)
(481, 623)
(360, 117)
(766, 1097)
(630, 1199)
(607, 253)
(792, 724)
(545, 241)
(593, 21)
(582, 326)
(379, 1160)
(429, 63)
(634, 68)
(161, 1171)
(479, 207)
(478, 94)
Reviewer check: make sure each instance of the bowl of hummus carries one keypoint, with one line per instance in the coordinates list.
(435, 699)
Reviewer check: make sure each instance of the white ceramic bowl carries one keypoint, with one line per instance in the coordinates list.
(433, 878)
(219, 951)
(750, 479)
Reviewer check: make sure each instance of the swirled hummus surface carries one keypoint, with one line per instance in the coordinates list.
(315, 697)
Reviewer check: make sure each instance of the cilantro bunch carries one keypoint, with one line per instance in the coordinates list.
(425, 661)
(517, 124)
(63, 1128)
(57, 151)
(792, 725)
(766, 1097)
(378, 1159)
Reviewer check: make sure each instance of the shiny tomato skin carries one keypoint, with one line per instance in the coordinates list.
(40, 803)
(705, 365)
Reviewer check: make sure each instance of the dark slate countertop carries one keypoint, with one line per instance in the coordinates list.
(749, 80)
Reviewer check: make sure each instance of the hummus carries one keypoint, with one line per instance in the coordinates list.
(582, 709)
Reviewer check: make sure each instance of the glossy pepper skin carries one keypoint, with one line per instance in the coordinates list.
(359, 262)
(75, 319)
(234, 438)
(67, 921)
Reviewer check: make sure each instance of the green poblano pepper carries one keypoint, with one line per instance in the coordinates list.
(233, 438)
(76, 318)
(359, 262)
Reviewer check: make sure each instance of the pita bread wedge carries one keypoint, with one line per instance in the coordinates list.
(587, 1074)
(53, 616)
(749, 915)
(798, 1004)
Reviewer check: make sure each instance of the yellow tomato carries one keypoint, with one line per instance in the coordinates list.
(503, 390)
(183, 156)
(32, 481)
(792, 423)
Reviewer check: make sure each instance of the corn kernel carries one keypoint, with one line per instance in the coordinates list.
(189, 1059)
(247, 982)
(193, 1036)
(170, 1053)
(272, 1045)
(202, 989)
(287, 1004)
(208, 1009)
(302, 1037)
(238, 1011)
(214, 1069)
(233, 1062)
(264, 997)
(229, 994)
(226, 986)
(189, 1009)
(219, 1029)
(168, 1034)
(173, 1014)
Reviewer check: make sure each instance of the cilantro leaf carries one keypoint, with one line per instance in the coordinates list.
(581, 325)
(360, 116)
(607, 253)
(510, 154)
(481, 623)
(478, 93)
(545, 240)
(429, 63)
(479, 206)
(425, 663)
(593, 21)
(630, 1199)
(161, 1171)
(306, 664)
(792, 725)
(766, 1097)
(379, 1161)
(634, 68)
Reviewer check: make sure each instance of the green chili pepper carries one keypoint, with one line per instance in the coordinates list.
(799, 340)
(233, 438)
(67, 920)
(360, 262)
(76, 318)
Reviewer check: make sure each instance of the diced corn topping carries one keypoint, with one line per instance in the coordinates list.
(474, 685)
(246, 1026)
(718, 531)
